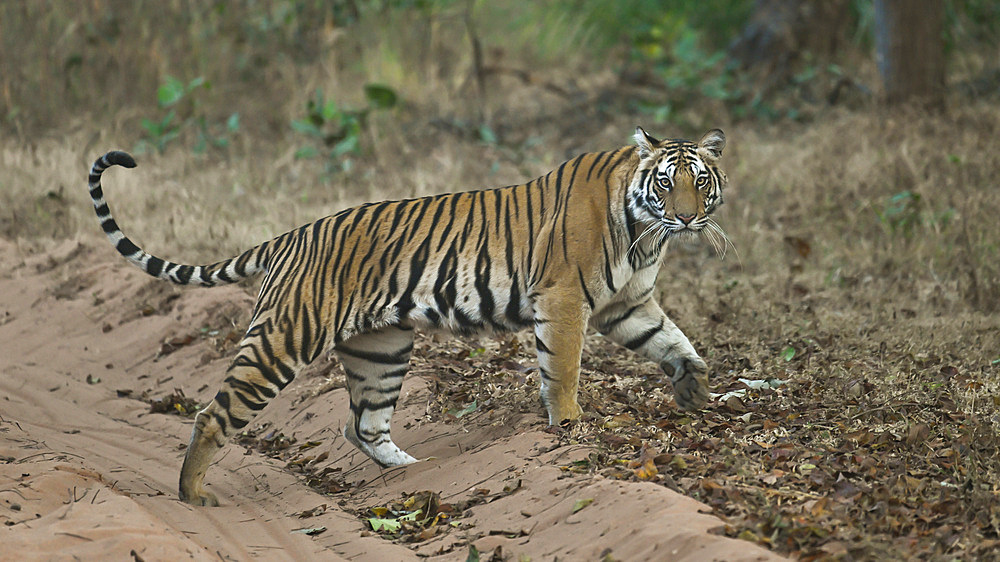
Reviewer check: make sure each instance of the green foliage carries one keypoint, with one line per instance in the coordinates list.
(903, 213)
(975, 21)
(175, 94)
(636, 22)
(158, 133)
(336, 130)
(688, 71)
(173, 90)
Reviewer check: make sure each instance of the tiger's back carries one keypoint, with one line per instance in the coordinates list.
(464, 262)
(578, 246)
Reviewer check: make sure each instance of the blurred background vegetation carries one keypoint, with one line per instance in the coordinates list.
(769, 59)
(329, 103)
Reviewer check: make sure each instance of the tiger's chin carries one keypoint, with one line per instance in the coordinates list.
(684, 234)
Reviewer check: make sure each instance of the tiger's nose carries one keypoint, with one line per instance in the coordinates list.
(686, 219)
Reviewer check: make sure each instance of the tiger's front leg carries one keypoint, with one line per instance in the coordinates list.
(560, 324)
(644, 328)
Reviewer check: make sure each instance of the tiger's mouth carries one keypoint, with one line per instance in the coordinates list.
(677, 225)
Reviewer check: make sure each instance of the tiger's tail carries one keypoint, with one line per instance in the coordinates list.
(235, 269)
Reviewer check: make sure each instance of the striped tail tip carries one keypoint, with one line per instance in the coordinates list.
(117, 157)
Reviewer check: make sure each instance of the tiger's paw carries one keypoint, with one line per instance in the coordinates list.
(199, 498)
(689, 375)
(567, 412)
(383, 451)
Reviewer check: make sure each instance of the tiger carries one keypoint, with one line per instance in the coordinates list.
(578, 247)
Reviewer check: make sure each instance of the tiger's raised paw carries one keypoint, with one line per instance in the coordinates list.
(689, 375)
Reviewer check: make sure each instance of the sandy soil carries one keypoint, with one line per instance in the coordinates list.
(87, 471)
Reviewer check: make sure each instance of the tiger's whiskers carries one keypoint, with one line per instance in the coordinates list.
(715, 231)
(635, 242)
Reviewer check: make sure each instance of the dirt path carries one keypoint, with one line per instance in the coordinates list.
(87, 470)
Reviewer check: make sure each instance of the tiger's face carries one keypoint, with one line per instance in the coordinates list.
(677, 184)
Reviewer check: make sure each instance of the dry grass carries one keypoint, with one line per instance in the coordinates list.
(899, 205)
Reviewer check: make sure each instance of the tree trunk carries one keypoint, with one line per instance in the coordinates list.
(909, 50)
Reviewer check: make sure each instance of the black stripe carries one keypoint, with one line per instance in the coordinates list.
(482, 281)
(126, 248)
(367, 405)
(120, 158)
(261, 392)
(154, 266)
(306, 341)
(446, 231)
(237, 423)
(600, 171)
(597, 158)
(223, 400)
(644, 337)
(609, 278)
(373, 221)
(611, 324)
(513, 310)
(394, 389)
(251, 404)
(286, 371)
(288, 326)
(241, 263)
(540, 346)
(583, 285)
(183, 274)
(109, 225)
(268, 374)
(508, 234)
(222, 422)
(569, 191)
(396, 358)
(396, 373)
(466, 324)
(433, 317)
(351, 375)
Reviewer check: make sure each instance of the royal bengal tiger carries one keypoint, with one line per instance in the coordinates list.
(580, 246)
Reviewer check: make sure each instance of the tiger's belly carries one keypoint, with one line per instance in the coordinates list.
(497, 309)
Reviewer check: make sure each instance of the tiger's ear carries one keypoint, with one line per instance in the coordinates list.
(646, 143)
(711, 144)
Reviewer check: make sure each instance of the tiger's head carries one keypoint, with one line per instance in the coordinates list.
(677, 185)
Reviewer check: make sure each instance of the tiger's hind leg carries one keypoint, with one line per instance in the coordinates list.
(262, 368)
(375, 364)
